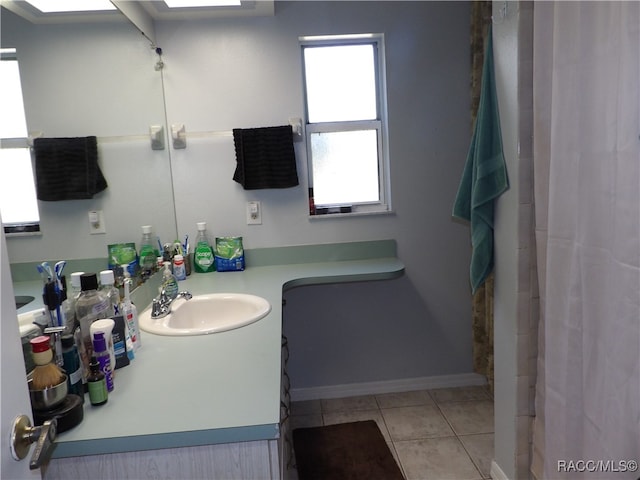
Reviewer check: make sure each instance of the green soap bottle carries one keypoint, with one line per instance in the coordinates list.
(148, 253)
(203, 257)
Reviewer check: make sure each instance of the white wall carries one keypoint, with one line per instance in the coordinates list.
(515, 313)
(246, 73)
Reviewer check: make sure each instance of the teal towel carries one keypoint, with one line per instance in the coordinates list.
(485, 175)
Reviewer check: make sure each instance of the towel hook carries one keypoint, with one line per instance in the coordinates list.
(502, 14)
(160, 63)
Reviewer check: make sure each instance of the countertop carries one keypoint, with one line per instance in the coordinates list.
(223, 387)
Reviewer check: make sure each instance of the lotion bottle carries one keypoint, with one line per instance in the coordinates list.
(105, 326)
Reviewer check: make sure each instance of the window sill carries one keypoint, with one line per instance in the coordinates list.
(370, 213)
(11, 231)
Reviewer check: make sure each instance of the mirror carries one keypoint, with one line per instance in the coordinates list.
(95, 79)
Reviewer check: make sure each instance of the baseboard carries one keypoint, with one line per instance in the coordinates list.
(496, 472)
(387, 386)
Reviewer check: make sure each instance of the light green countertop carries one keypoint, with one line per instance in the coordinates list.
(224, 387)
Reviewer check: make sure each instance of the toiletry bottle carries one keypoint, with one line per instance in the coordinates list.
(75, 287)
(148, 253)
(66, 305)
(203, 257)
(121, 343)
(179, 269)
(72, 296)
(91, 305)
(101, 353)
(106, 326)
(130, 313)
(169, 282)
(108, 288)
(72, 366)
(98, 393)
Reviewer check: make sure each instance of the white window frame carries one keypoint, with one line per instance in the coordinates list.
(379, 124)
(18, 228)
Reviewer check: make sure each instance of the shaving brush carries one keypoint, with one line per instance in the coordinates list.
(46, 374)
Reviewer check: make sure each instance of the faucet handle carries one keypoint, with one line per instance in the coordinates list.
(158, 307)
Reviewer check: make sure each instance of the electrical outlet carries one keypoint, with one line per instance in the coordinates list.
(254, 213)
(96, 222)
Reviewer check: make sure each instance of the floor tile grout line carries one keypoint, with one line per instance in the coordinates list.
(434, 402)
(394, 453)
(457, 435)
(470, 457)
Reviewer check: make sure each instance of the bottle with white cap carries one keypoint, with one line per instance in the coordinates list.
(105, 326)
(203, 256)
(75, 286)
(148, 253)
(69, 305)
(107, 286)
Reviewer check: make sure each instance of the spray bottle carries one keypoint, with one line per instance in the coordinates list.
(130, 314)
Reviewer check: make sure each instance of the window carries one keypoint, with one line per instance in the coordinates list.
(346, 124)
(18, 203)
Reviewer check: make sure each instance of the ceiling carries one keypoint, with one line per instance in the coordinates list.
(155, 9)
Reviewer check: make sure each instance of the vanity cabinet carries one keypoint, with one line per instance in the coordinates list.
(255, 460)
(213, 406)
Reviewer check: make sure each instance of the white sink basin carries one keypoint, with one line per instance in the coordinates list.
(205, 314)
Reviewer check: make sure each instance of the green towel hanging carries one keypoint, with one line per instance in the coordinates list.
(485, 175)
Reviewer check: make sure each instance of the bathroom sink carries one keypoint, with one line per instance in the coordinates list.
(205, 314)
(22, 300)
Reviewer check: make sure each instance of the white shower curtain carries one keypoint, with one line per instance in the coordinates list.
(587, 202)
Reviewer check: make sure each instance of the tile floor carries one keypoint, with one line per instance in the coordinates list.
(433, 434)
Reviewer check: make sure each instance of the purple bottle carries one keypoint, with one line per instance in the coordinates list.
(104, 358)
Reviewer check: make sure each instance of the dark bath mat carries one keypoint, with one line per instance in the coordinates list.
(346, 451)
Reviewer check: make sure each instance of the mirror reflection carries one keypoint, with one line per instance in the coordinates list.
(94, 79)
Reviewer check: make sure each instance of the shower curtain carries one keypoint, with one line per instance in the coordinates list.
(587, 202)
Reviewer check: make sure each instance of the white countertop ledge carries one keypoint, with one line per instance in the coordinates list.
(211, 389)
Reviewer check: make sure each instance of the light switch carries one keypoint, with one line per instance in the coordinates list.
(254, 213)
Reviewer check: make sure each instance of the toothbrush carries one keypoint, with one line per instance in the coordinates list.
(58, 268)
(42, 274)
(47, 268)
(42, 270)
(160, 249)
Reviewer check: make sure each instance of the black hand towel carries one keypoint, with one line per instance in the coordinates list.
(67, 168)
(265, 158)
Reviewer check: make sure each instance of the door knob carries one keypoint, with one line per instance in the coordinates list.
(23, 435)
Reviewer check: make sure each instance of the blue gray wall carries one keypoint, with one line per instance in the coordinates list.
(223, 74)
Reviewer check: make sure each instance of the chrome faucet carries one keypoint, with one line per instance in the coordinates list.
(161, 306)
